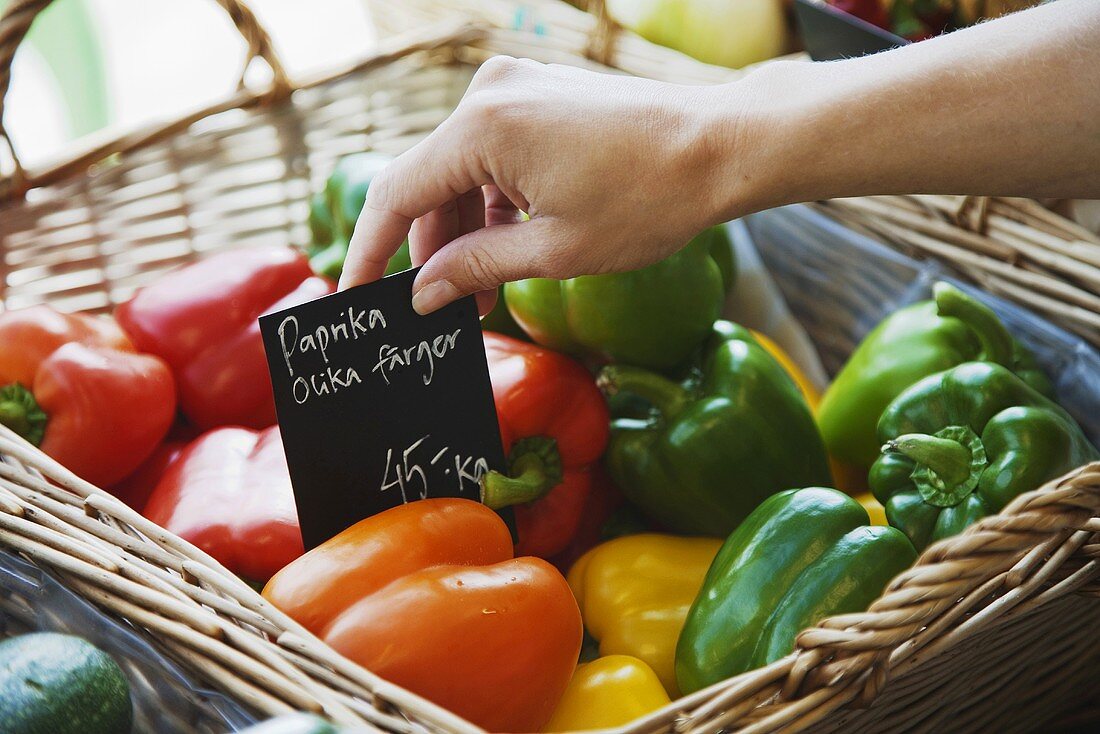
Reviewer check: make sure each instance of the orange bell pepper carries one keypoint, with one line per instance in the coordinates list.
(428, 596)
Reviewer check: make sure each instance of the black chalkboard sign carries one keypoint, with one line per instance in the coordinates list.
(378, 405)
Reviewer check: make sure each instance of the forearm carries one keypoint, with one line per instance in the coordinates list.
(1011, 107)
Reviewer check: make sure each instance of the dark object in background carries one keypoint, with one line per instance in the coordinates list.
(830, 33)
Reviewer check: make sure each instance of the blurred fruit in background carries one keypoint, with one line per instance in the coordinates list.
(732, 33)
(920, 19)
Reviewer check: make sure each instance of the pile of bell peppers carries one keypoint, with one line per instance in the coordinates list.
(675, 478)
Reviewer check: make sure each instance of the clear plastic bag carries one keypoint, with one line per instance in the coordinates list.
(166, 699)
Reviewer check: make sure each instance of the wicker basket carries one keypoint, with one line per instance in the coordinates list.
(992, 628)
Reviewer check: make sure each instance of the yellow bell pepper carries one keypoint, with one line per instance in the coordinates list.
(634, 593)
(876, 511)
(607, 692)
(805, 385)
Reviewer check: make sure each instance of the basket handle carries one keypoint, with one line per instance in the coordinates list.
(20, 14)
(601, 44)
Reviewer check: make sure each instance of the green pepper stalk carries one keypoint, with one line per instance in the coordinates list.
(534, 468)
(665, 396)
(20, 412)
(948, 464)
(997, 345)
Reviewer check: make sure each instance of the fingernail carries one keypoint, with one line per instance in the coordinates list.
(433, 296)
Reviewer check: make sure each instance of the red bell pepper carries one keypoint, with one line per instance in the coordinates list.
(554, 425)
(229, 493)
(872, 11)
(603, 500)
(74, 386)
(135, 489)
(201, 319)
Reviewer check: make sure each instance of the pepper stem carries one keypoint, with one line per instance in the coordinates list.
(664, 394)
(534, 468)
(997, 344)
(949, 459)
(948, 465)
(20, 412)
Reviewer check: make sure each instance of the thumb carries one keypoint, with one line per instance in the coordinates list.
(483, 260)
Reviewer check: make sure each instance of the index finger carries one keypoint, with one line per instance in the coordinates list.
(420, 180)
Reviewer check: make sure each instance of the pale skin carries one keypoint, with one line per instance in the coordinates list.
(617, 173)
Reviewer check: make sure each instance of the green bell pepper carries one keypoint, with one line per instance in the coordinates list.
(717, 241)
(717, 443)
(914, 342)
(655, 317)
(501, 321)
(801, 556)
(332, 216)
(959, 445)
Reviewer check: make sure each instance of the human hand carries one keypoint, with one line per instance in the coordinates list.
(614, 172)
(617, 172)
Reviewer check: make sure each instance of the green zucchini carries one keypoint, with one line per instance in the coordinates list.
(59, 684)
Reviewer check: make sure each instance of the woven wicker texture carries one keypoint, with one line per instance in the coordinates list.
(996, 610)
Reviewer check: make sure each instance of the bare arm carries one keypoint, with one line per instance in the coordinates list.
(616, 173)
(1009, 107)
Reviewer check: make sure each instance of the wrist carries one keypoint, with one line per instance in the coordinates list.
(764, 147)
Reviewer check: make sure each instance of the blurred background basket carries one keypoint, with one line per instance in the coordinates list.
(988, 630)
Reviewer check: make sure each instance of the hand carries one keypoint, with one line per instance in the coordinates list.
(614, 172)
(617, 172)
